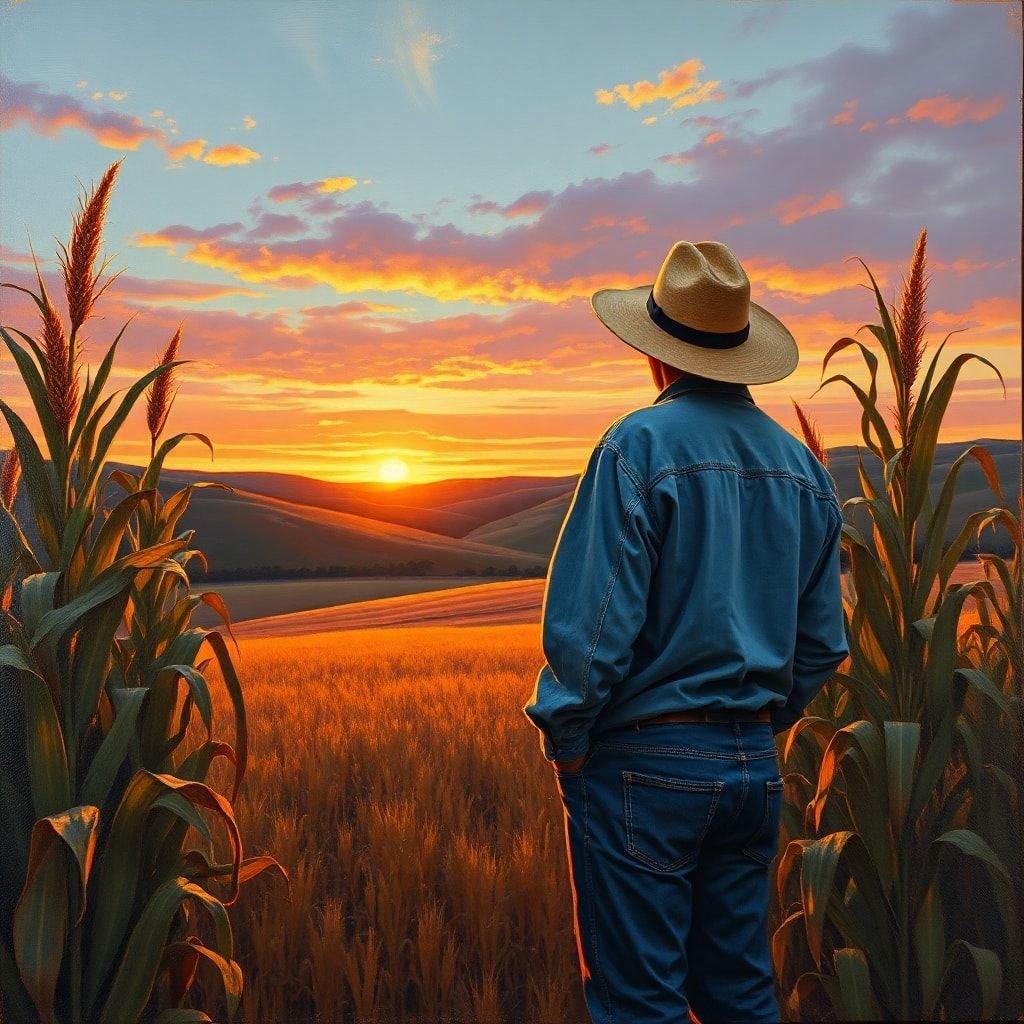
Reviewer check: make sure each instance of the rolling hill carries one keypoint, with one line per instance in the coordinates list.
(253, 534)
(502, 603)
(535, 529)
(972, 490)
(449, 507)
(273, 525)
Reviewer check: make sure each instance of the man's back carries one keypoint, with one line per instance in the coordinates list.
(693, 607)
(697, 568)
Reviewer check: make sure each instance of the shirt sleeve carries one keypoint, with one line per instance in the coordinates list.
(595, 602)
(820, 634)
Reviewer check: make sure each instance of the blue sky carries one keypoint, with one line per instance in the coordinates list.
(506, 104)
(431, 305)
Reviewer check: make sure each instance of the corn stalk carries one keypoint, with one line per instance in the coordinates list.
(892, 896)
(124, 856)
(995, 645)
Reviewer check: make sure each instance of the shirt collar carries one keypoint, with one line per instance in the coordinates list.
(682, 385)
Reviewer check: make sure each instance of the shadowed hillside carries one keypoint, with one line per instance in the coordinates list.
(972, 490)
(275, 525)
(253, 532)
(536, 529)
(450, 507)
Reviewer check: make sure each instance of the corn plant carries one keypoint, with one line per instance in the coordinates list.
(996, 646)
(124, 857)
(892, 898)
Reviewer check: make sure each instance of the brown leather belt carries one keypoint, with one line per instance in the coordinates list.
(709, 715)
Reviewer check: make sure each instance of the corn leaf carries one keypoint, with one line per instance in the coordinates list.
(140, 965)
(60, 858)
(972, 845)
(49, 777)
(89, 666)
(988, 970)
(234, 689)
(927, 434)
(118, 878)
(99, 780)
(182, 1015)
(818, 862)
(902, 741)
(858, 998)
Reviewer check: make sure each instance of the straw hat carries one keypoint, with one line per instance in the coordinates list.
(698, 317)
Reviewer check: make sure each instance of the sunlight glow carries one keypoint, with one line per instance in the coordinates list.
(392, 471)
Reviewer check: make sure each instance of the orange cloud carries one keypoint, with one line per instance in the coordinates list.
(712, 137)
(440, 277)
(996, 318)
(323, 390)
(192, 148)
(340, 184)
(171, 237)
(789, 211)
(943, 110)
(679, 87)
(676, 158)
(528, 205)
(310, 189)
(845, 116)
(161, 291)
(963, 265)
(230, 155)
(804, 283)
(48, 114)
(633, 225)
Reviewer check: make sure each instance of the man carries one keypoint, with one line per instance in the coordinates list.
(692, 610)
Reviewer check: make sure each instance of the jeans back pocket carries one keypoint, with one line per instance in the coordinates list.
(764, 843)
(667, 819)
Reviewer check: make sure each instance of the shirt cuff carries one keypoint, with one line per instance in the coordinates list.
(567, 749)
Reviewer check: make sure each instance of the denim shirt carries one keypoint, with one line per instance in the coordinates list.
(697, 568)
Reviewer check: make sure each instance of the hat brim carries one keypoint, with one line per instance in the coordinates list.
(770, 352)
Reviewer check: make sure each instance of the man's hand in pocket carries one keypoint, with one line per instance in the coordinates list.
(570, 766)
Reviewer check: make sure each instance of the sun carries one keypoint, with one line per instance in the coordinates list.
(392, 471)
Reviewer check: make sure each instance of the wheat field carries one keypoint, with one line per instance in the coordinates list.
(395, 777)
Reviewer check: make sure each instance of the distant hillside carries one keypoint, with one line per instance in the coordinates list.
(536, 529)
(248, 534)
(515, 601)
(450, 507)
(512, 601)
(972, 493)
(299, 527)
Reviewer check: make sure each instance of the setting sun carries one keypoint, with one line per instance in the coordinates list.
(392, 471)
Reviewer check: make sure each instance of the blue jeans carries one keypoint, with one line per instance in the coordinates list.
(671, 830)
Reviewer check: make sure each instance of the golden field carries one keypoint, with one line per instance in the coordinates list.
(396, 778)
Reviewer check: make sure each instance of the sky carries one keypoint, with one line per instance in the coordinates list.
(380, 224)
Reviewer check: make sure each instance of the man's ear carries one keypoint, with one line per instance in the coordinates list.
(657, 371)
